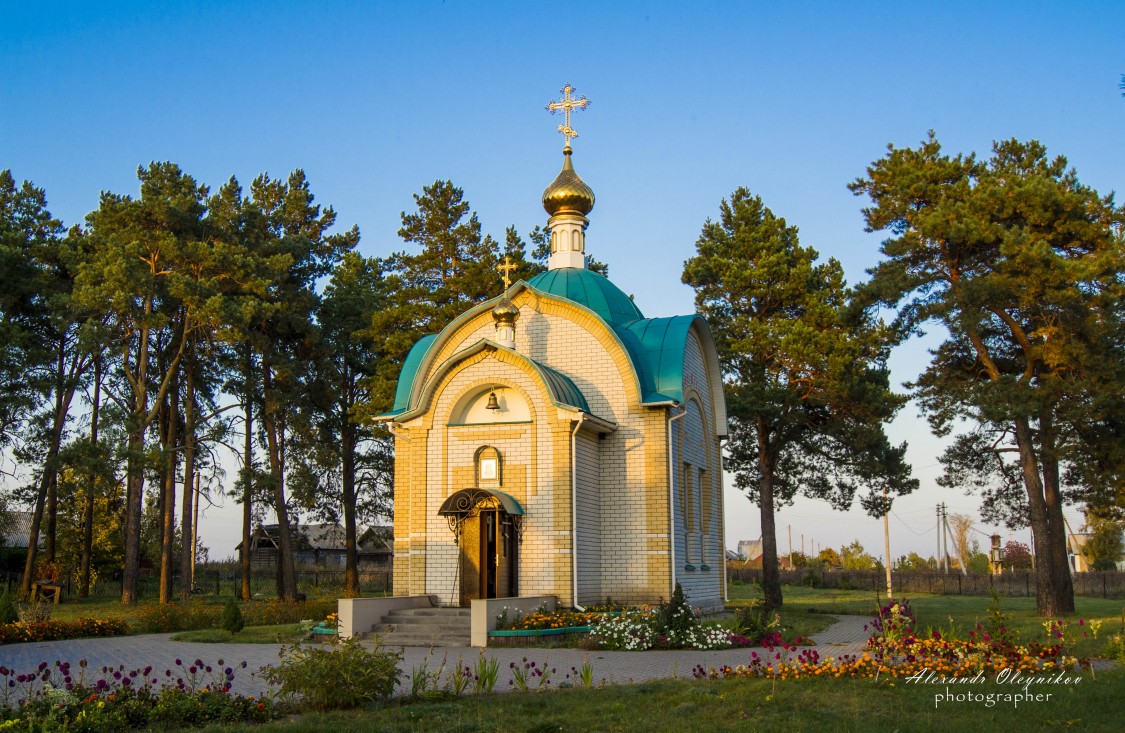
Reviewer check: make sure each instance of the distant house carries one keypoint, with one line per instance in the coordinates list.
(14, 533)
(750, 550)
(321, 545)
(1075, 550)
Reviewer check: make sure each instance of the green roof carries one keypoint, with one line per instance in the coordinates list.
(563, 391)
(589, 289)
(660, 343)
(655, 346)
(409, 369)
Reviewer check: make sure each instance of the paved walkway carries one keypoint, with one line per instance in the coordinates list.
(158, 650)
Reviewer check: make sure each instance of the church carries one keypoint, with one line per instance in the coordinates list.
(553, 441)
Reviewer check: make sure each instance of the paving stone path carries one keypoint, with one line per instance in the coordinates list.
(847, 636)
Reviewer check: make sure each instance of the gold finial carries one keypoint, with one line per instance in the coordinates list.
(566, 105)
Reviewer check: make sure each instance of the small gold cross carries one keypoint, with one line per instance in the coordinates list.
(507, 268)
(566, 105)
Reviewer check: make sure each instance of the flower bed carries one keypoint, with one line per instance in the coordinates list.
(895, 650)
(25, 631)
(943, 657)
(549, 620)
(64, 697)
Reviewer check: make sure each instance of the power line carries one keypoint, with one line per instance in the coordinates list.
(908, 527)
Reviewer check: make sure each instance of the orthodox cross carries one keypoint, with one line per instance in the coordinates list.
(566, 105)
(507, 268)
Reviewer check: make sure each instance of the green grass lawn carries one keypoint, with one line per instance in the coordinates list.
(673, 706)
(273, 634)
(959, 613)
(72, 609)
(795, 621)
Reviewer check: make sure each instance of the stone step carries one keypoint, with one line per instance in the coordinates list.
(464, 613)
(393, 640)
(424, 627)
(440, 629)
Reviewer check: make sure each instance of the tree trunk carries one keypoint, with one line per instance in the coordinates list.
(287, 573)
(347, 480)
(135, 484)
(168, 494)
(1061, 582)
(187, 549)
(771, 575)
(63, 396)
(53, 486)
(52, 516)
(91, 486)
(1051, 582)
(248, 476)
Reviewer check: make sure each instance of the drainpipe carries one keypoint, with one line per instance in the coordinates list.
(722, 524)
(574, 510)
(672, 505)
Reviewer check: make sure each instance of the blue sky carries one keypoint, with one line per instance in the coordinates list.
(689, 101)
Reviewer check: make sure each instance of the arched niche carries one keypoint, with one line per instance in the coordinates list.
(473, 407)
(489, 467)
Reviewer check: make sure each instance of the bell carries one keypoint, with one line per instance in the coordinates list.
(493, 404)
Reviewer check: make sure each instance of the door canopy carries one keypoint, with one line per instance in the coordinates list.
(462, 503)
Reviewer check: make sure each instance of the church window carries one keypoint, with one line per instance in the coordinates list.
(687, 492)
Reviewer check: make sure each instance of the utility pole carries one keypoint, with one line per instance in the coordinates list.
(937, 553)
(945, 539)
(887, 543)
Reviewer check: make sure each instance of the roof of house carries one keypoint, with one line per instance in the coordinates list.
(325, 536)
(16, 530)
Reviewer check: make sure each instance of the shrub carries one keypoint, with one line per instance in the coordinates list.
(197, 614)
(83, 628)
(358, 676)
(811, 578)
(186, 616)
(34, 611)
(8, 614)
(756, 622)
(677, 619)
(274, 611)
(231, 619)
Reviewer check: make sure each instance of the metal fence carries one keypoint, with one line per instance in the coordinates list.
(1017, 583)
(227, 582)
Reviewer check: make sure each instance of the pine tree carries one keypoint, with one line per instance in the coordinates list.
(1021, 264)
(232, 620)
(807, 385)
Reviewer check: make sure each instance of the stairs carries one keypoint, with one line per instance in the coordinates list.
(424, 627)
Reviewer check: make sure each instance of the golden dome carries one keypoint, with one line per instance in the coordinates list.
(568, 194)
(505, 312)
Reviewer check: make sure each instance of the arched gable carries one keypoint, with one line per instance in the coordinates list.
(560, 390)
(435, 349)
(649, 351)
